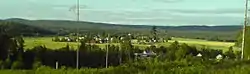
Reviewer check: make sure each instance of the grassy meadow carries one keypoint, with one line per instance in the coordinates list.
(30, 42)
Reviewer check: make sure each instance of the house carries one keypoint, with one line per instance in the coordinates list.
(145, 54)
(199, 55)
(219, 57)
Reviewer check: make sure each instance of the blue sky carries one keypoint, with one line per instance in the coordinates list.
(139, 12)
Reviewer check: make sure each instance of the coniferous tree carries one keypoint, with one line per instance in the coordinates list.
(154, 33)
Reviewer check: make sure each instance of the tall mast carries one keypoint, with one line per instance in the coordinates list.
(107, 51)
(78, 18)
(244, 29)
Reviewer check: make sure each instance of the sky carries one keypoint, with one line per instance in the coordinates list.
(134, 12)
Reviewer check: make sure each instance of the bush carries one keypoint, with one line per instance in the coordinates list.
(36, 65)
(7, 63)
(56, 39)
(17, 65)
(43, 70)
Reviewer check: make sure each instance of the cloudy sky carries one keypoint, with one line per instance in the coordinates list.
(139, 12)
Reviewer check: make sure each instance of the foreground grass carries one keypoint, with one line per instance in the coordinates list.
(30, 42)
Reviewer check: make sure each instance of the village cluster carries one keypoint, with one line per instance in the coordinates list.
(113, 39)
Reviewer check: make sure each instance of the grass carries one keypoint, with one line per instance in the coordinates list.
(204, 43)
(30, 42)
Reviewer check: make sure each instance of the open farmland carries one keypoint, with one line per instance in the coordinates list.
(30, 42)
(204, 43)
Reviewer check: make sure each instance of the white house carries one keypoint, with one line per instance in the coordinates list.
(219, 56)
(199, 55)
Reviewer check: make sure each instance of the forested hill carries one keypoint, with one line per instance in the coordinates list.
(94, 25)
(15, 28)
(228, 32)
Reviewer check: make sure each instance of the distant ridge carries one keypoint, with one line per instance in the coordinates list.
(15, 28)
(193, 31)
(87, 25)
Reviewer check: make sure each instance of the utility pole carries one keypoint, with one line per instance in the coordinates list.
(77, 52)
(56, 64)
(120, 55)
(120, 51)
(244, 29)
(130, 43)
(107, 51)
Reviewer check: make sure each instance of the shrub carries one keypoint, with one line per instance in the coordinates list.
(7, 63)
(17, 65)
(36, 65)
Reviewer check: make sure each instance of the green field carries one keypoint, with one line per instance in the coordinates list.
(207, 44)
(30, 42)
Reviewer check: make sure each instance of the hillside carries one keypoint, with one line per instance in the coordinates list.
(65, 26)
(91, 25)
(23, 29)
